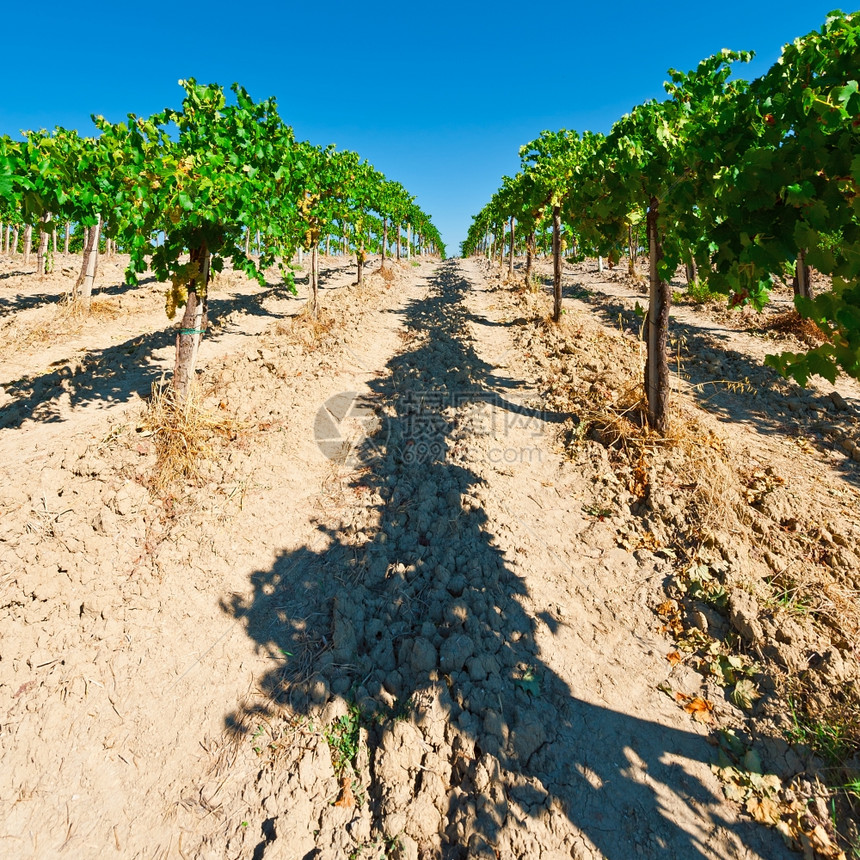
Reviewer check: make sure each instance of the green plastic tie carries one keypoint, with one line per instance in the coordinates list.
(192, 331)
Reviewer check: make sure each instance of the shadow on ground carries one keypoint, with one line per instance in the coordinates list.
(420, 613)
(116, 373)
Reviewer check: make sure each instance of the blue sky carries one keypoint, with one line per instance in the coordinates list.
(438, 96)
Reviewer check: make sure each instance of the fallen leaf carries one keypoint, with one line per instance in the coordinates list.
(674, 658)
(734, 792)
(529, 682)
(700, 709)
(752, 762)
(763, 809)
(745, 693)
(347, 798)
(731, 741)
(819, 841)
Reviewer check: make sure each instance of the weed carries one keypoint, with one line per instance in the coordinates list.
(697, 293)
(702, 585)
(788, 599)
(827, 738)
(850, 787)
(399, 711)
(183, 434)
(402, 710)
(342, 737)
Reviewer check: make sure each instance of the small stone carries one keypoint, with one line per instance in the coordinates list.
(424, 657)
(699, 621)
(107, 522)
(839, 401)
(476, 669)
(832, 667)
(454, 652)
(405, 847)
(456, 613)
(456, 585)
(319, 691)
(744, 615)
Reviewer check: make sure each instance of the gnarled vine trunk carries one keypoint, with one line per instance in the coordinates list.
(511, 257)
(384, 241)
(530, 255)
(631, 251)
(313, 296)
(87, 277)
(194, 321)
(42, 264)
(28, 243)
(660, 300)
(556, 263)
(690, 269)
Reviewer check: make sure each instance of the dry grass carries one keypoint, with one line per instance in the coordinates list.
(386, 272)
(184, 435)
(305, 330)
(791, 323)
(699, 460)
(709, 486)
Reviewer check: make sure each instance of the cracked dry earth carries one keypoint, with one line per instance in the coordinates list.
(177, 673)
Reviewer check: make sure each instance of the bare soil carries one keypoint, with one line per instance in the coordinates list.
(437, 594)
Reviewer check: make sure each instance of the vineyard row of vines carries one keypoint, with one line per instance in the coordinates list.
(183, 191)
(741, 181)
